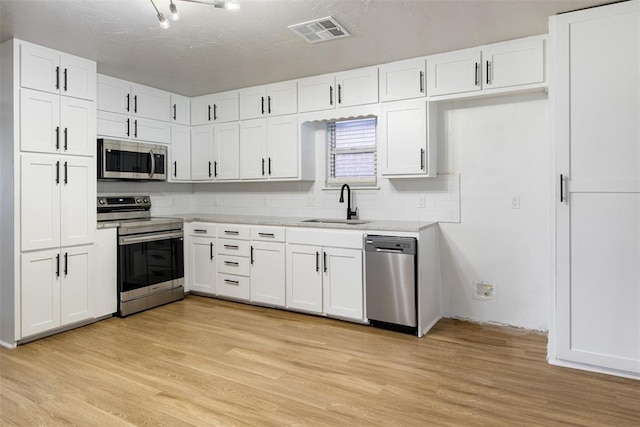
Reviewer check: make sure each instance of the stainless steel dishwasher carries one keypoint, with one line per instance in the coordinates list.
(390, 267)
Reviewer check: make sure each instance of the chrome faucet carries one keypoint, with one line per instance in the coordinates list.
(350, 213)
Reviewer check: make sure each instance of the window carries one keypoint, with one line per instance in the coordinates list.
(351, 149)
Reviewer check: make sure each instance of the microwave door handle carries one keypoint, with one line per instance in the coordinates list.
(153, 163)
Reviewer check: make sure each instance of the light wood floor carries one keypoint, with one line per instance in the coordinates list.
(209, 362)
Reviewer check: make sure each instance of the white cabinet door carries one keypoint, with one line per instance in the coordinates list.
(253, 149)
(225, 107)
(406, 148)
(180, 109)
(268, 273)
(77, 200)
(40, 291)
(202, 265)
(40, 182)
(150, 103)
(76, 287)
(202, 153)
(39, 121)
(39, 68)
(402, 80)
(342, 287)
(282, 147)
(78, 77)
(113, 125)
(180, 153)
(253, 103)
(454, 72)
(77, 126)
(282, 98)
(597, 135)
(226, 151)
(201, 110)
(316, 93)
(105, 301)
(151, 130)
(114, 95)
(357, 87)
(304, 278)
(514, 63)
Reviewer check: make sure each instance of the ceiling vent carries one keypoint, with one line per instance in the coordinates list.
(320, 30)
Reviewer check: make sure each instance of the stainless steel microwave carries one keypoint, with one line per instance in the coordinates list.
(131, 160)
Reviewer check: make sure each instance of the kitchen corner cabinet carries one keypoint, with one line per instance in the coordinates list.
(180, 154)
(180, 109)
(202, 264)
(346, 89)
(402, 80)
(56, 288)
(268, 273)
(56, 124)
(408, 139)
(271, 100)
(55, 72)
(216, 108)
(596, 309)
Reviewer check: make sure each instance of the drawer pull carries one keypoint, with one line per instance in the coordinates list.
(232, 232)
(199, 230)
(231, 263)
(266, 235)
(231, 282)
(231, 246)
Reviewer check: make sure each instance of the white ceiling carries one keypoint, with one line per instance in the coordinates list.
(210, 50)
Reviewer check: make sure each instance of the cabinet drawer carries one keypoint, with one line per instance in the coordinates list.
(233, 265)
(233, 286)
(201, 229)
(234, 247)
(268, 234)
(232, 231)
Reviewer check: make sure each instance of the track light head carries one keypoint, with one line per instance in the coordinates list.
(164, 22)
(174, 11)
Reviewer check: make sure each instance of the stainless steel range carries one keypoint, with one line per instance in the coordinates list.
(150, 253)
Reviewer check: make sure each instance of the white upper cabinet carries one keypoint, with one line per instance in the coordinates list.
(150, 103)
(114, 95)
(180, 154)
(270, 100)
(253, 149)
(217, 108)
(502, 65)
(316, 93)
(180, 109)
(357, 87)
(202, 156)
(226, 151)
(402, 80)
(56, 72)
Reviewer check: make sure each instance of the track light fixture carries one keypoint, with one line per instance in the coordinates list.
(219, 4)
(174, 11)
(164, 22)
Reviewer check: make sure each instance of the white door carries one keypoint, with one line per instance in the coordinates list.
(40, 291)
(105, 272)
(39, 121)
(202, 265)
(454, 72)
(282, 147)
(114, 95)
(202, 153)
(225, 107)
(403, 138)
(113, 125)
(76, 287)
(180, 153)
(227, 151)
(342, 287)
(77, 200)
(304, 278)
(253, 149)
(78, 77)
(597, 136)
(253, 103)
(357, 87)
(39, 68)
(151, 130)
(316, 93)
(201, 110)
(268, 273)
(180, 109)
(402, 80)
(515, 63)
(40, 182)
(150, 103)
(282, 98)
(77, 126)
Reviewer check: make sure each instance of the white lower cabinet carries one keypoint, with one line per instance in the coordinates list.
(233, 263)
(304, 278)
(268, 273)
(202, 265)
(342, 288)
(56, 288)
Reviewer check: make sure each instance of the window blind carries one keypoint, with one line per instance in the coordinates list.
(351, 148)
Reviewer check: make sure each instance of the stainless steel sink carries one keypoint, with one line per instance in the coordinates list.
(336, 221)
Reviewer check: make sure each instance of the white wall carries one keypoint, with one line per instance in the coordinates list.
(500, 148)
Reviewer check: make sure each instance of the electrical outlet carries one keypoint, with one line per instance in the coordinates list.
(515, 202)
(422, 202)
(484, 291)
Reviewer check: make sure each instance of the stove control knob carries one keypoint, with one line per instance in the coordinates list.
(145, 200)
(138, 201)
(101, 201)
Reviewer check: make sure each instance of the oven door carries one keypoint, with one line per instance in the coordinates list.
(150, 263)
(130, 160)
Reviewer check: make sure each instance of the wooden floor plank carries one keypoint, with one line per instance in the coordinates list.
(204, 361)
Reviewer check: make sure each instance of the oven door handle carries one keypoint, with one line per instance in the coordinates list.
(130, 240)
(153, 163)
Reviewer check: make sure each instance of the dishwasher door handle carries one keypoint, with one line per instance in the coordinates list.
(394, 250)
